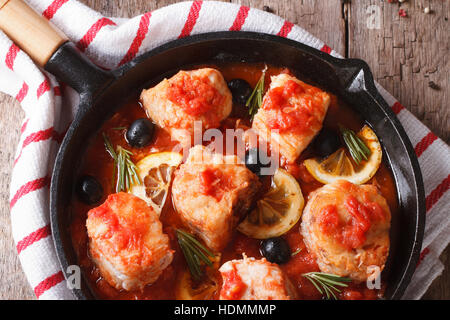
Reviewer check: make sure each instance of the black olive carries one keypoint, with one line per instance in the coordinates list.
(327, 142)
(276, 250)
(140, 133)
(240, 90)
(89, 190)
(267, 9)
(254, 161)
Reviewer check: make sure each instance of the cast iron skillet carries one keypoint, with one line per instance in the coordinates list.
(102, 92)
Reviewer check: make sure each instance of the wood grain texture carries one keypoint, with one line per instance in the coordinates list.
(13, 284)
(30, 31)
(404, 55)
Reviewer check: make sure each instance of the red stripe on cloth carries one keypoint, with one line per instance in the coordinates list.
(240, 18)
(397, 107)
(92, 32)
(422, 256)
(191, 19)
(33, 237)
(28, 187)
(326, 49)
(24, 126)
(43, 88)
(11, 56)
(285, 29)
(437, 193)
(22, 92)
(52, 8)
(137, 41)
(40, 136)
(425, 143)
(48, 283)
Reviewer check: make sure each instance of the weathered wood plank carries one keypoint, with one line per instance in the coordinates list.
(323, 19)
(440, 288)
(405, 54)
(13, 284)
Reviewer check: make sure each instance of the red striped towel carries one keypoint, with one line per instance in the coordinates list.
(42, 98)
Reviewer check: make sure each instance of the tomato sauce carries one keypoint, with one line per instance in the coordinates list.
(128, 233)
(287, 117)
(234, 287)
(213, 183)
(195, 95)
(98, 163)
(352, 233)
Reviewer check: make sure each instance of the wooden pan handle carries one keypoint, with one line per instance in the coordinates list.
(30, 31)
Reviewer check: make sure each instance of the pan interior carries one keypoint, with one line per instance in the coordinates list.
(351, 80)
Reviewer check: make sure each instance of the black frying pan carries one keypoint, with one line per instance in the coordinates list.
(102, 92)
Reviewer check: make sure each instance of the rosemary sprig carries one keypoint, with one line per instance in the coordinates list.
(108, 146)
(194, 252)
(357, 148)
(296, 252)
(125, 173)
(255, 100)
(327, 283)
(119, 128)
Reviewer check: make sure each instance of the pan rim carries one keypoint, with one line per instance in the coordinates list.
(419, 195)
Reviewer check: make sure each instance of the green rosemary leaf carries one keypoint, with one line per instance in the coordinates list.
(351, 148)
(189, 260)
(363, 146)
(124, 174)
(134, 176)
(127, 180)
(194, 268)
(332, 276)
(112, 153)
(327, 283)
(197, 266)
(195, 253)
(357, 148)
(198, 253)
(193, 262)
(329, 293)
(296, 252)
(255, 100)
(109, 147)
(315, 284)
(196, 242)
(332, 283)
(355, 144)
(121, 169)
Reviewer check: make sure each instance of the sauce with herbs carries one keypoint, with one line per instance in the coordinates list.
(98, 163)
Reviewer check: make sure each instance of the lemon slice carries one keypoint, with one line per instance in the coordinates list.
(205, 289)
(278, 211)
(339, 166)
(155, 172)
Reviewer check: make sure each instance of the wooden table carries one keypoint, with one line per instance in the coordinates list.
(405, 54)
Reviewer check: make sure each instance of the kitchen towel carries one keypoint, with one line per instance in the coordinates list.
(110, 42)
